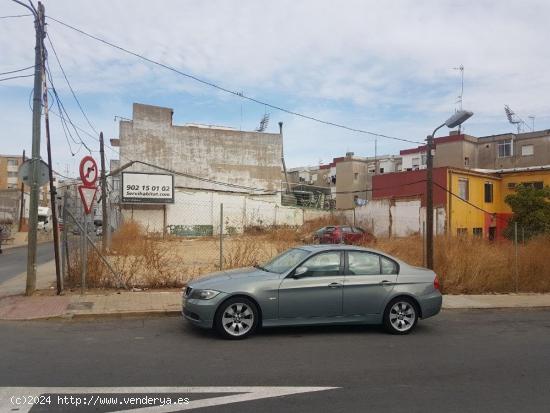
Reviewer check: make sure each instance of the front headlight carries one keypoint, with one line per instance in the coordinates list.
(204, 294)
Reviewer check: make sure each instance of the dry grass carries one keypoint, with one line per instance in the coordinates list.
(464, 265)
(136, 260)
(476, 266)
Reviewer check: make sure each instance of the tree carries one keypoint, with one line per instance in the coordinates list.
(531, 208)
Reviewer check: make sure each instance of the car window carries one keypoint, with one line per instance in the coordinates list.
(358, 230)
(363, 263)
(286, 260)
(388, 266)
(323, 264)
(346, 229)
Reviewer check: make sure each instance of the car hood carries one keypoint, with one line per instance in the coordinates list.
(221, 278)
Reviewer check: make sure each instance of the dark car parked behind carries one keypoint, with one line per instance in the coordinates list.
(342, 234)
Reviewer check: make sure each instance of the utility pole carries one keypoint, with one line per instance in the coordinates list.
(283, 157)
(22, 202)
(106, 242)
(53, 192)
(39, 25)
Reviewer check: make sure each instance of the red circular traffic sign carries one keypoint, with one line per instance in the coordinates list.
(88, 171)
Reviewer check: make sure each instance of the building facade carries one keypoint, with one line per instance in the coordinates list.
(488, 152)
(473, 199)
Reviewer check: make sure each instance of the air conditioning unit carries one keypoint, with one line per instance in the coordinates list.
(511, 185)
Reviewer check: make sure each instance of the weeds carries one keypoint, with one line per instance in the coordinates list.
(464, 265)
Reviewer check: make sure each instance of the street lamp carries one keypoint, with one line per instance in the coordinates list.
(457, 119)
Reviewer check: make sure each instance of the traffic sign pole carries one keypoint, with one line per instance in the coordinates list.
(88, 174)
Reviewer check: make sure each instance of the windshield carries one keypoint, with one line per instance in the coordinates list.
(285, 261)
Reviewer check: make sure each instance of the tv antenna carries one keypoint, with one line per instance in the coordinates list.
(459, 98)
(514, 119)
(263, 123)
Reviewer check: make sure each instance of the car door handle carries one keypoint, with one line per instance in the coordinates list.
(334, 285)
(386, 282)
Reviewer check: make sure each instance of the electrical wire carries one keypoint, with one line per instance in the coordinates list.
(69, 84)
(63, 112)
(232, 92)
(15, 71)
(494, 214)
(16, 77)
(15, 15)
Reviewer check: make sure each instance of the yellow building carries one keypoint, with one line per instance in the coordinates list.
(475, 198)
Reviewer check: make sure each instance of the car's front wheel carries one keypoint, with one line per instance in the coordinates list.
(401, 316)
(237, 318)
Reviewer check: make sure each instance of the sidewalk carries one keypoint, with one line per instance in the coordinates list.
(150, 303)
(20, 239)
(45, 278)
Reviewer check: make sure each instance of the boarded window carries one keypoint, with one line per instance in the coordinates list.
(463, 189)
(527, 150)
(488, 192)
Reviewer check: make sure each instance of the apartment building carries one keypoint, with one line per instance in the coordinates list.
(473, 199)
(503, 151)
(349, 177)
(9, 166)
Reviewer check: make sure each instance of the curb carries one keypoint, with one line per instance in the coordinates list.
(124, 314)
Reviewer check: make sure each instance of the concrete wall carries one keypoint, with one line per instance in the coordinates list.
(347, 183)
(249, 159)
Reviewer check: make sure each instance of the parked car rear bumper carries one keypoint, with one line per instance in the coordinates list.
(430, 305)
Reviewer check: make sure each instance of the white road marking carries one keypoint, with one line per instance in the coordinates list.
(245, 394)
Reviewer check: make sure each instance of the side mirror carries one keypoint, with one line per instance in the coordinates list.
(299, 272)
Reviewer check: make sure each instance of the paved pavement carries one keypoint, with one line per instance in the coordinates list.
(13, 261)
(461, 361)
(144, 303)
(45, 278)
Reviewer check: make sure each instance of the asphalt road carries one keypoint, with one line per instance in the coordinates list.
(459, 361)
(13, 261)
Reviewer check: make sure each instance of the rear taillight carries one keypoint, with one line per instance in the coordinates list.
(436, 283)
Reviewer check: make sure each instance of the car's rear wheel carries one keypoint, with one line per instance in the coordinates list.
(237, 318)
(400, 316)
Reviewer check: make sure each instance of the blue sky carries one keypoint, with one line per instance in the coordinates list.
(380, 66)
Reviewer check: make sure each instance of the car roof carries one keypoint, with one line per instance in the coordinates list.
(346, 247)
(325, 247)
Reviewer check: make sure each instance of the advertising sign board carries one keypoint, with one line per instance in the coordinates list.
(147, 188)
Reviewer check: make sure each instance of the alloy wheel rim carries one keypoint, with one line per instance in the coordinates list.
(402, 315)
(237, 319)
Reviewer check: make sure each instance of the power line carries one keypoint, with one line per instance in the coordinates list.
(232, 92)
(16, 77)
(63, 112)
(15, 15)
(69, 84)
(472, 205)
(15, 71)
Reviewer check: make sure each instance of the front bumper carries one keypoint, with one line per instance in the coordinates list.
(431, 304)
(201, 312)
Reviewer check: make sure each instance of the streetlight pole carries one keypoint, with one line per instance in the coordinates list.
(457, 119)
(430, 200)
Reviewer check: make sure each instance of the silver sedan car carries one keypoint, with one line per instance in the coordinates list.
(314, 285)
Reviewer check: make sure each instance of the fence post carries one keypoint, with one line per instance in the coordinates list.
(84, 253)
(221, 236)
(516, 254)
(64, 255)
